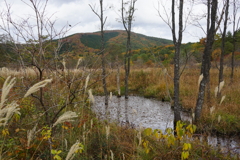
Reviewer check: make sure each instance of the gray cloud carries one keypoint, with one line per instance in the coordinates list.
(77, 13)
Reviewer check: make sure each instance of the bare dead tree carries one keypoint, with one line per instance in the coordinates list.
(177, 41)
(177, 44)
(235, 27)
(196, 23)
(127, 13)
(220, 79)
(102, 21)
(206, 61)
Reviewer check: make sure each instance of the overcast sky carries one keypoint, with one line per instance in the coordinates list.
(78, 14)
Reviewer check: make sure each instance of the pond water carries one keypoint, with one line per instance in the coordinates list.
(149, 113)
(137, 111)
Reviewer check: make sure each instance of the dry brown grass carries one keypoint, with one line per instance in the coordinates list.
(154, 83)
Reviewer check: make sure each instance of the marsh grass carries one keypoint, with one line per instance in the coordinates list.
(150, 83)
(97, 139)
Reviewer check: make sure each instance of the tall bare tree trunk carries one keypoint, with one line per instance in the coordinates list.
(103, 56)
(206, 61)
(223, 47)
(127, 18)
(177, 44)
(208, 79)
(235, 8)
(103, 21)
(118, 79)
(127, 60)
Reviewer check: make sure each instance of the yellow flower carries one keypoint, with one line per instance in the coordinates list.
(5, 132)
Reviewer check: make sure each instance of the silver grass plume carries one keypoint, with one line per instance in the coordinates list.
(91, 123)
(37, 86)
(200, 79)
(66, 143)
(223, 97)
(139, 136)
(64, 64)
(221, 86)
(86, 82)
(218, 90)
(212, 110)
(164, 71)
(110, 96)
(75, 147)
(123, 156)
(30, 135)
(91, 96)
(67, 116)
(78, 62)
(112, 155)
(219, 118)
(193, 117)
(7, 113)
(8, 84)
(107, 131)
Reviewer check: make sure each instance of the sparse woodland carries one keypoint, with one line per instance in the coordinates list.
(48, 81)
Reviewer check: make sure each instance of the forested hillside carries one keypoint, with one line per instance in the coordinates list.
(91, 41)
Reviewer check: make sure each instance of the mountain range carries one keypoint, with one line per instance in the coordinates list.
(91, 42)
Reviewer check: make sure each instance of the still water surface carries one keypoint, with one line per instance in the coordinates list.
(150, 113)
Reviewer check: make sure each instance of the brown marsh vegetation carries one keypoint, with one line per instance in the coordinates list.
(78, 133)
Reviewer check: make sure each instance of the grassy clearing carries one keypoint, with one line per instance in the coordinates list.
(29, 136)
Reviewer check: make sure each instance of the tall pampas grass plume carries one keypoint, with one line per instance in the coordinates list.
(221, 85)
(216, 91)
(67, 116)
(7, 113)
(76, 147)
(91, 96)
(86, 82)
(107, 131)
(164, 71)
(7, 86)
(219, 118)
(30, 135)
(110, 96)
(64, 64)
(219, 88)
(222, 99)
(212, 109)
(78, 62)
(112, 155)
(200, 79)
(37, 86)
